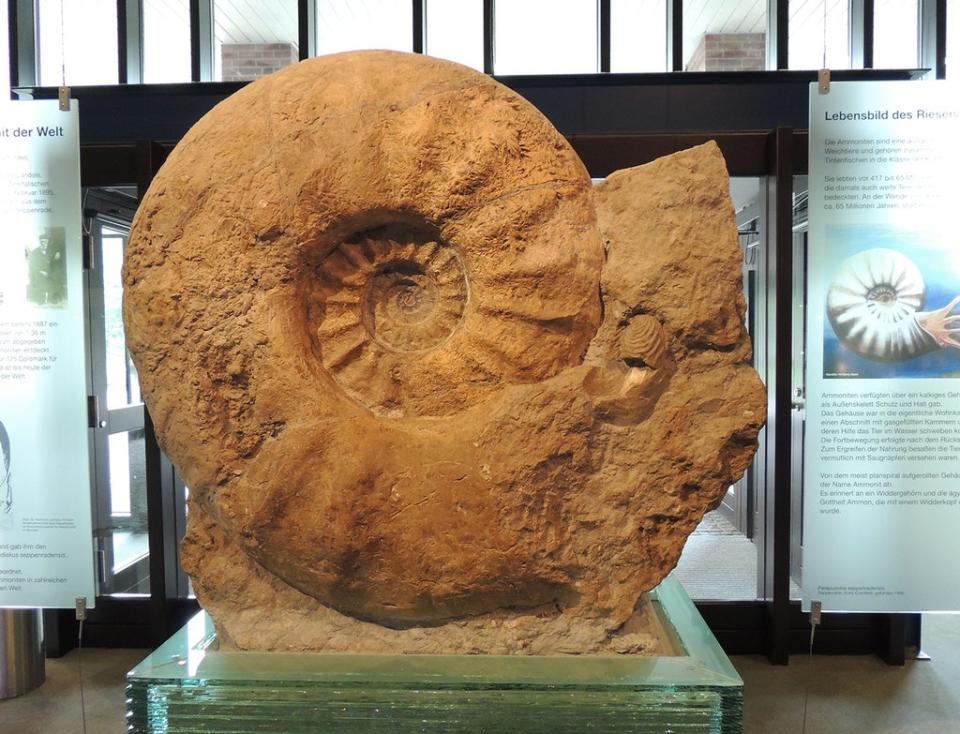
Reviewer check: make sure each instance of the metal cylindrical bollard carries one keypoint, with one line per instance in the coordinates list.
(22, 663)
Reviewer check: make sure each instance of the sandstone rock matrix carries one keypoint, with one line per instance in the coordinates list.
(431, 390)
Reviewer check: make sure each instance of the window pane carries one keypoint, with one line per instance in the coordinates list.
(252, 38)
(810, 38)
(4, 54)
(455, 31)
(84, 39)
(123, 385)
(166, 41)
(953, 39)
(128, 476)
(728, 36)
(896, 34)
(130, 572)
(545, 37)
(125, 541)
(348, 25)
(638, 35)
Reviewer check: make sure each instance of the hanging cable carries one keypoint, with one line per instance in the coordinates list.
(86, 222)
(824, 65)
(63, 48)
(81, 612)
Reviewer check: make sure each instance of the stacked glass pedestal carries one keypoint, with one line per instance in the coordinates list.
(186, 685)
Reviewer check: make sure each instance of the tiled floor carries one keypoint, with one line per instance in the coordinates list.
(55, 707)
(813, 695)
(837, 695)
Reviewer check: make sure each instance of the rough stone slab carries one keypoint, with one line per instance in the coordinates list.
(430, 389)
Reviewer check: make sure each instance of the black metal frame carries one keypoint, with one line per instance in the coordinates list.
(603, 35)
(613, 121)
(779, 197)
(778, 11)
(22, 42)
(201, 40)
(861, 34)
(307, 28)
(129, 42)
(933, 36)
(675, 35)
(419, 27)
(489, 43)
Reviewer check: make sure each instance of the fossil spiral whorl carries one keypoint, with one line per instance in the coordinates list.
(382, 302)
(340, 302)
(873, 303)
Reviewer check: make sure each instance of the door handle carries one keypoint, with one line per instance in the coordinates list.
(799, 401)
(94, 416)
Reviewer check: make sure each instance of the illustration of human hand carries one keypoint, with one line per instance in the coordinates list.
(6, 502)
(942, 324)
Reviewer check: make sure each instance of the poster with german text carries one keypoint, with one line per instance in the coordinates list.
(46, 541)
(881, 511)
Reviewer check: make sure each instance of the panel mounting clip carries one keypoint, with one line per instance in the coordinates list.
(823, 81)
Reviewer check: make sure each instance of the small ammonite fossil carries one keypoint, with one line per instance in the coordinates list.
(627, 391)
(643, 342)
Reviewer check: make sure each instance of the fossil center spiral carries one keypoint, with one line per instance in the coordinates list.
(413, 295)
(401, 308)
(384, 298)
(882, 294)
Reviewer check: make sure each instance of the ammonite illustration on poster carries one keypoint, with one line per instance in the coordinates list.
(892, 306)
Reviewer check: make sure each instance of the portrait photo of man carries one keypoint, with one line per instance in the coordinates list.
(6, 486)
(47, 268)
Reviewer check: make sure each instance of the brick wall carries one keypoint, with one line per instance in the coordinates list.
(246, 61)
(729, 52)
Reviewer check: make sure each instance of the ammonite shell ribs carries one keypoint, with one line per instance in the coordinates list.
(644, 341)
(873, 303)
(364, 296)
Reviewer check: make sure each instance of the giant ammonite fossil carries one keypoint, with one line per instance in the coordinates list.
(430, 388)
(873, 304)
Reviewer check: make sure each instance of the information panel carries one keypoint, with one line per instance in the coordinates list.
(881, 509)
(46, 542)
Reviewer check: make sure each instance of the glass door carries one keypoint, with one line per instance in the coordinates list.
(723, 558)
(798, 381)
(116, 407)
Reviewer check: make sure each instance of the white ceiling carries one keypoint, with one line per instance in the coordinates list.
(819, 32)
(255, 21)
(721, 16)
